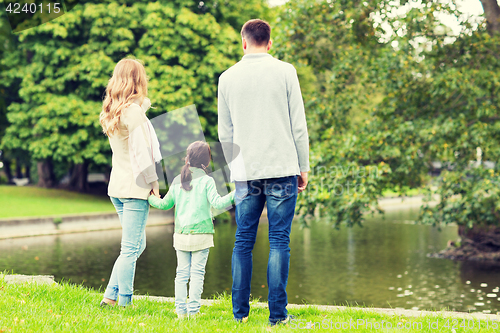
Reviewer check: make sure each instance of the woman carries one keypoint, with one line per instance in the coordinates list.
(133, 175)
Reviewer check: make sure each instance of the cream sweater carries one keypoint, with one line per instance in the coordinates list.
(261, 113)
(133, 168)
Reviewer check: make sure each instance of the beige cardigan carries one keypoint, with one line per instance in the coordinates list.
(123, 183)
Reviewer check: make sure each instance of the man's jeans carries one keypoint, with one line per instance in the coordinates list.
(281, 197)
(190, 266)
(133, 214)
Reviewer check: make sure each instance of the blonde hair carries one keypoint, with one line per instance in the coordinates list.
(129, 81)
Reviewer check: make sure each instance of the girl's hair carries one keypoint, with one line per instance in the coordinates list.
(129, 81)
(198, 155)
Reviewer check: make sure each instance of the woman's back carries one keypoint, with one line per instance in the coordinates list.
(124, 182)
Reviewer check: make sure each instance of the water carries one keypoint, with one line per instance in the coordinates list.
(382, 264)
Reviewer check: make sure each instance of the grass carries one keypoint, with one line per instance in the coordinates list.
(74, 308)
(28, 201)
(21, 201)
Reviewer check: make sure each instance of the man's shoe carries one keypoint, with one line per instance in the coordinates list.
(283, 321)
(241, 320)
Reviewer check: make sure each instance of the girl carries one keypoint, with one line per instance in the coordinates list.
(192, 193)
(133, 174)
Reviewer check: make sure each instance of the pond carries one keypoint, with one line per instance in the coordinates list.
(382, 264)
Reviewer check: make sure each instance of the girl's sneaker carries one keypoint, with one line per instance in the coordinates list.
(194, 315)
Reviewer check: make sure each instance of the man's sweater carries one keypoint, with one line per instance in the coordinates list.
(262, 113)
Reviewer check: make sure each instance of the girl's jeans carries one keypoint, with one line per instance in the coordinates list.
(190, 266)
(133, 214)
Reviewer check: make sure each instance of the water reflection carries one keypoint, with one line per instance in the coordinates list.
(382, 264)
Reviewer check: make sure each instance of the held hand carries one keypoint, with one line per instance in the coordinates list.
(156, 189)
(302, 181)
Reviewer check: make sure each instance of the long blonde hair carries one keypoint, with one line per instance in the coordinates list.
(129, 81)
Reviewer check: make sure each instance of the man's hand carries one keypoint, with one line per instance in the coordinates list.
(156, 189)
(302, 181)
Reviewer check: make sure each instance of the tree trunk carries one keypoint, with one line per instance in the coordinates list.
(8, 173)
(19, 171)
(492, 14)
(79, 175)
(27, 171)
(45, 173)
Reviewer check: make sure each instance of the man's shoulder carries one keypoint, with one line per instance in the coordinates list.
(228, 72)
(286, 65)
(240, 66)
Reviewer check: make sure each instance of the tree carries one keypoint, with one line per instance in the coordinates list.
(9, 94)
(64, 66)
(336, 51)
(492, 14)
(437, 101)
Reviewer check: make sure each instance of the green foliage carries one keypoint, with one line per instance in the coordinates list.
(61, 69)
(450, 102)
(337, 62)
(468, 198)
(383, 103)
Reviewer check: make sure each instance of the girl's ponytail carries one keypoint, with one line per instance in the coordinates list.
(186, 177)
(197, 156)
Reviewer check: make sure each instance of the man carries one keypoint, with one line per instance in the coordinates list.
(261, 111)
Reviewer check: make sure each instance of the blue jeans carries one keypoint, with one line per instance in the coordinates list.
(190, 266)
(133, 214)
(281, 197)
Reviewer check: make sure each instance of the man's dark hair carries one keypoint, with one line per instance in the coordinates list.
(256, 32)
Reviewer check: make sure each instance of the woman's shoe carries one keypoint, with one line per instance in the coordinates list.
(105, 304)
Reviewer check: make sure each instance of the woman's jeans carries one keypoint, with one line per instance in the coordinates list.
(190, 266)
(133, 214)
(250, 197)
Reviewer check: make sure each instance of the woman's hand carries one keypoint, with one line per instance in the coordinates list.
(156, 189)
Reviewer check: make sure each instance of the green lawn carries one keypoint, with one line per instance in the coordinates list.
(73, 308)
(24, 201)
(19, 201)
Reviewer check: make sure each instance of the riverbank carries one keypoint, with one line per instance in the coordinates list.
(63, 224)
(73, 308)
(15, 227)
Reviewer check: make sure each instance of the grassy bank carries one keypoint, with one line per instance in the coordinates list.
(28, 201)
(73, 308)
(22, 201)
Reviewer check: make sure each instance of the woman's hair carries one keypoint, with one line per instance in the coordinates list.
(129, 81)
(198, 155)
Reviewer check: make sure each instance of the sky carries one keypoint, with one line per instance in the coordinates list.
(470, 7)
